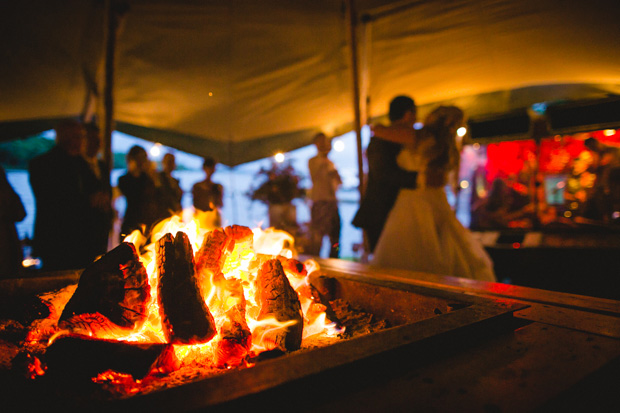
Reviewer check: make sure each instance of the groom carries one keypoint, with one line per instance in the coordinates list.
(385, 178)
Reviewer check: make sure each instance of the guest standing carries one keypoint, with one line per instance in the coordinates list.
(59, 182)
(139, 186)
(170, 193)
(208, 197)
(324, 215)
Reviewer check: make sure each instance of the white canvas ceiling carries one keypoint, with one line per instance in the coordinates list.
(241, 79)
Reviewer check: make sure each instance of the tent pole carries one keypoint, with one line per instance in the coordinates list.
(113, 10)
(108, 85)
(352, 23)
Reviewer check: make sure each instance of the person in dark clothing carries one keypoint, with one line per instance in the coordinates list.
(385, 177)
(11, 211)
(139, 186)
(100, 214)
(170, 193)
(59, 181)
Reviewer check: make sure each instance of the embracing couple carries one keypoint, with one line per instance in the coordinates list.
(405, 213)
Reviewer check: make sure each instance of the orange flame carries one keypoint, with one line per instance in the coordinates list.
(240, 265)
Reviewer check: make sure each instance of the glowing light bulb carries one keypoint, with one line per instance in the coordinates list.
(609, 132)
(338, 145)
(461, 131)
(155, 150)
(418, 125)
(464, 184)
(279, 157)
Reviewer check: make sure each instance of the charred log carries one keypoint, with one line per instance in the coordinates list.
(81, 358)
(292, 267)
(115, 286)
(355, 320)
(24, 309)
(185, 317)
(278, 299)
(322, 290)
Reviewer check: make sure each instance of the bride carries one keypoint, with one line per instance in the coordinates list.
(422, 232)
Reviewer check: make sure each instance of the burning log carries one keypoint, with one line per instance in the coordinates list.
(81, 358)
(235, 335)
(212, 254)
(186, 319)
(216, 247)
(239, 234)
(291, 266)
(279, 300)
(225, 295)
(321, 290)
(113, 291)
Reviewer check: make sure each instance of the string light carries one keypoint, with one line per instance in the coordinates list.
(461, 131)
(338, 145)
(155, 150)
(279, 157)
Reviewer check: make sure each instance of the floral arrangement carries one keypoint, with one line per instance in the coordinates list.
(277, 185)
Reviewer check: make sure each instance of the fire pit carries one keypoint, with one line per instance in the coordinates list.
(373, 317)
(421, 319)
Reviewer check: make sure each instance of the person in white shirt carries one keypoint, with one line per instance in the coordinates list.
(325, 218)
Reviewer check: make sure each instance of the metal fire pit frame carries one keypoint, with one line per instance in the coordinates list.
(310, 369)
(323, 367)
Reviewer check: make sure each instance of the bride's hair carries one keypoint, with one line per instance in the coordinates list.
(443, 155)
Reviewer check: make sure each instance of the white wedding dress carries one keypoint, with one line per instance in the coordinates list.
(422, 232)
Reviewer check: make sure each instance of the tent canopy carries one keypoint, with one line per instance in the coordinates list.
(242, 79)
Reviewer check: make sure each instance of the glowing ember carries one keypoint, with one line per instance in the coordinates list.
(232, 271)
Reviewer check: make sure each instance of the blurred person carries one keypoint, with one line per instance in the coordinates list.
(422, 232)
(606, 159)
(11, 211)
(324, 215)
(208, 196)
(170, 193)
(385, 177)
(139, 186)
(59, 181)
(101, 213)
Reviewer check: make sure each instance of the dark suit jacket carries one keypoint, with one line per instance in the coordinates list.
(59, 185)
(142, 204)
(385, 179)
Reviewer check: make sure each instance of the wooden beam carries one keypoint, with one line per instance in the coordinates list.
(352, 22)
